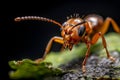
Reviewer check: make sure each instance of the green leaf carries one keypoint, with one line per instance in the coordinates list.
(29, 69)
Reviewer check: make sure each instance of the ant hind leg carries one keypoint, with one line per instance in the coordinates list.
(106, 24)
(95, 39)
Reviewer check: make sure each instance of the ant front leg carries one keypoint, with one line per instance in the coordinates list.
(106, 24)
(49, 45)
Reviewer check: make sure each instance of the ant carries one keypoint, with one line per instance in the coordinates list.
(75, 30)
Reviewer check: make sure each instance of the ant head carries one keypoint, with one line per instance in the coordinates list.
(73, 30)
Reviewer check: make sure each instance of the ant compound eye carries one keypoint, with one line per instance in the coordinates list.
(81, 30)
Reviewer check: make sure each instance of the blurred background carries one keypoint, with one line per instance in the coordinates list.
(28, 39)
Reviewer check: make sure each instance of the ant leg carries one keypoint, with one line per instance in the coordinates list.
(95, 39)
(106, 24)
(86, 57)
(49, 45)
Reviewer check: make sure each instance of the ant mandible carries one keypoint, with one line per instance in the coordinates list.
(88, 30)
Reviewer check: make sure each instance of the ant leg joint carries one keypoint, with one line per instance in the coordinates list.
(86, 55)
(99, 33)
(112, 59)
(108, 18)
(83, 68)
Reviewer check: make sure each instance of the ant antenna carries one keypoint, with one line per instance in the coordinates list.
(18, 19)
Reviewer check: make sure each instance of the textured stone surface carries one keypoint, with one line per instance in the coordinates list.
(97, 68)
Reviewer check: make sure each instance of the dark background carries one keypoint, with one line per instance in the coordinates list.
(28, 39)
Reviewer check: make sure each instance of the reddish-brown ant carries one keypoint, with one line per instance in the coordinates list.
(75, 30)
